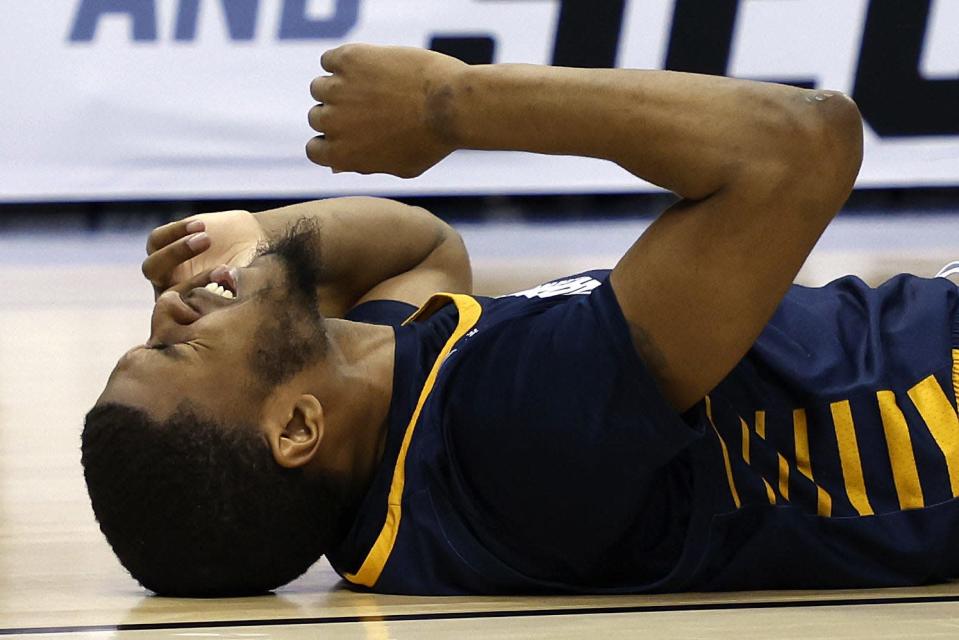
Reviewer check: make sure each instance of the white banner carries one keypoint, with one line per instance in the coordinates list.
(208, 98)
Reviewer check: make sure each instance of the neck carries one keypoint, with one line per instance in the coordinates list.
(355, 389)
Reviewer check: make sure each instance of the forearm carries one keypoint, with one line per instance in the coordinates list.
(364, 241)
(691, 134)
(762, 169)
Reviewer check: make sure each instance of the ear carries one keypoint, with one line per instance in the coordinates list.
(296, 440)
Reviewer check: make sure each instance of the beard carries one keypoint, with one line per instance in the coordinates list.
(293, 333)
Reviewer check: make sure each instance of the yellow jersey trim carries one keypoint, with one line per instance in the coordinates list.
(726, 463)
(902, 457)
(803, 464)
(469, 313)
(943, 423)
(849, 459)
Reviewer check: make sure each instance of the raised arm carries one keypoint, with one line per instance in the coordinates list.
(761, 168)
(375, 248)
(371, 248)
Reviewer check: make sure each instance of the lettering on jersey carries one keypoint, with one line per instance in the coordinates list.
(567, 287)
(845, 475)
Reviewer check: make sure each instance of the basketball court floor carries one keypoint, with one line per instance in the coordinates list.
(70, 304)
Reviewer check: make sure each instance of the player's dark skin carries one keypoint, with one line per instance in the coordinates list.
(331, 415)
(761, 170)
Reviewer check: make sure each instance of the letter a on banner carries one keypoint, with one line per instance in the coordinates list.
(142, 13)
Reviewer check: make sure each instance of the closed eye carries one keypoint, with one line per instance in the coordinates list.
(169, 350)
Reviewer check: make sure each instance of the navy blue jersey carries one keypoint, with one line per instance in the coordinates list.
(529, 449)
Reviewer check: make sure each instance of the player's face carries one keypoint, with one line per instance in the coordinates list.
(206, 348)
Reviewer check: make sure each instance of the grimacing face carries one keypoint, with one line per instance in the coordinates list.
(203, 347)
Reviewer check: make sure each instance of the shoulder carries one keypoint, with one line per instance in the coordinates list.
(385, 312)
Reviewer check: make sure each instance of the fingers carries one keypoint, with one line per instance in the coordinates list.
(317, 118)
(199, 280)
(332, 58)
(321, 88)
(318, 151)
(164, 235)
(159, 265)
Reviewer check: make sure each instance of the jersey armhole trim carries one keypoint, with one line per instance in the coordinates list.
(469, 313)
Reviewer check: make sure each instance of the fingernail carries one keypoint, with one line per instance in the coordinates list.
(195, 225)
(195, 241)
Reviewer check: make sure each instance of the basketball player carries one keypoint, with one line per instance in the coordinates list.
(689, 420)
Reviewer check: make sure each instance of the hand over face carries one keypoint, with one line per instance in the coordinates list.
(383, 110)
(181, 253)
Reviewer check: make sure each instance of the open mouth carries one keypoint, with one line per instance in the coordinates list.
(223, 282)
(221, 291)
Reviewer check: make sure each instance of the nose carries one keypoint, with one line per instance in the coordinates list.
(171, 317)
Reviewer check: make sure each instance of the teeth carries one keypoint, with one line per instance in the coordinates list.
(219, 290)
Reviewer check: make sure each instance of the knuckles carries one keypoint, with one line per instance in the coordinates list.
(315, 118)
(336, 59)
(147, 271)
(316, 152)
(324, 88)
(316, 88)
(346, 54)
(153, 241)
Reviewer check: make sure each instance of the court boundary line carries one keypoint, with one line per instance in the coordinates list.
(465, 615)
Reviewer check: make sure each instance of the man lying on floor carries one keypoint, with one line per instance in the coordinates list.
(688, 421)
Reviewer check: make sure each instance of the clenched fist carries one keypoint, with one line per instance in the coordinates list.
(383, 109)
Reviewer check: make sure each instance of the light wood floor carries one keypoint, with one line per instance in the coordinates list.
(69, 305)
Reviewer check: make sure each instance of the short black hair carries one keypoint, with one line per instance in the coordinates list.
(197, 509)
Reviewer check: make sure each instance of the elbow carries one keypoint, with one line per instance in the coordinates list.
(450, 255)
(830, 155)
(816, 153)
(840, 137)
(851, 136)
(459, 260)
